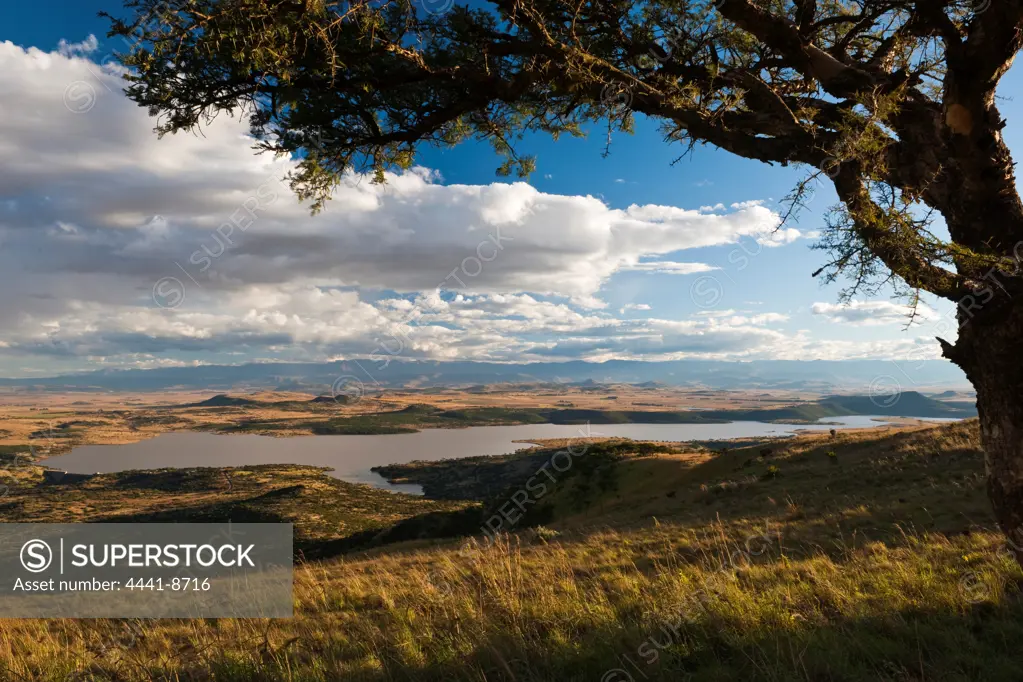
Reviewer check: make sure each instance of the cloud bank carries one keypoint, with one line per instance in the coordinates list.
(121, 249)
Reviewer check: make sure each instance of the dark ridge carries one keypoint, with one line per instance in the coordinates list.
(222, 400)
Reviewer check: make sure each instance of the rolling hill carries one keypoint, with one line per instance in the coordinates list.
(866, 556)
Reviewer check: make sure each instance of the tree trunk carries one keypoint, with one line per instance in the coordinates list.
(990, 351)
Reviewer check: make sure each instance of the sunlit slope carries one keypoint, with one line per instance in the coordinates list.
(861, 557)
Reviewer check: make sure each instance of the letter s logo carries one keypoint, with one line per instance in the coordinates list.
(36, 556)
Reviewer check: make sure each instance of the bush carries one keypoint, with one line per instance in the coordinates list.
(544, 534)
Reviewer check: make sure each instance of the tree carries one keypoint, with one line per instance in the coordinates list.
(893, 101)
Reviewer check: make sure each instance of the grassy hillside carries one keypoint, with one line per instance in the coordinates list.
(861, 557)
(493, 478)
(905, 404)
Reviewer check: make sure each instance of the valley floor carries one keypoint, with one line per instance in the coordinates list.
(35, 425)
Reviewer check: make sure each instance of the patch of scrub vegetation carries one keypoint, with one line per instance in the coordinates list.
(588, 416)
(249, 426)
(323, 509)
(485, 478)
(358, 427)
(145, 420)
(416, 417)
(578, 484)
(883, 565)
(11, 452)
(483, 416)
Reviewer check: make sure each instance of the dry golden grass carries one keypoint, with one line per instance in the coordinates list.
(933, 608)
(877, 563)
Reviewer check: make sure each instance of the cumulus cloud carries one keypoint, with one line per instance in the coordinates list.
(118, 247)
(140, 204)
(868, 313)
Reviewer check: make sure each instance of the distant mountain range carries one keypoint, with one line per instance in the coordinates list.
(879, 376)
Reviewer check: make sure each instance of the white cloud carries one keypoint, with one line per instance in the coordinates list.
(867, 313)
(87, 46)
(780, 237)
(104, 171)
(95, 209)
(803, 347)
(670, 267)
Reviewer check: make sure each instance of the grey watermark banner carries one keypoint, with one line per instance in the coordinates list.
(146, 570)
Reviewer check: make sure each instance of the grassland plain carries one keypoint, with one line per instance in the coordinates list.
(45, 424)
(864, 556)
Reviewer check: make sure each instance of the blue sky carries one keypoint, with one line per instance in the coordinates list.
(748, 301)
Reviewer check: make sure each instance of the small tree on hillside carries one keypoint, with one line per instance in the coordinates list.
(893, 101)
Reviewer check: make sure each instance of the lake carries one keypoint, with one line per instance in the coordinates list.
(351, 457)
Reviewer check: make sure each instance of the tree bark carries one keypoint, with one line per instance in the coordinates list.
(990, 351)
